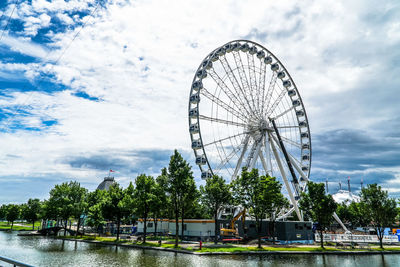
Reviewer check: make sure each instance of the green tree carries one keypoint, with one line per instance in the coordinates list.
(144, 197)
(215, 194)
(357, 215)
(114, 206)
(179, 172)
(66, 201)
(94, 209)
(343, 212)
(31, 211)
(189, 197)
(260, 195)
(3, 212)
(379, 208)
(13, 213)
(318, 206)
(160, 204)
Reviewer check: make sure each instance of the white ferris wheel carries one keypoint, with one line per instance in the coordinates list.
(246, 111)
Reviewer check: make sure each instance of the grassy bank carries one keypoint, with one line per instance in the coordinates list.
(18, 226)
(209, 247)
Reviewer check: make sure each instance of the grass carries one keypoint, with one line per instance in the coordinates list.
(20, 227)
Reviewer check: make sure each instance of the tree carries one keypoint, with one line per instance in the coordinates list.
(260, 195)
(114, 206)
(144, 197)
(215, 194)
(179, 172)
(379, 208)
(3, 212)
(318, 206)
(189, 197)
(31, 211)
(66, 201)
(94, 209)
(13, 213)
(357, 216)
(160, 203)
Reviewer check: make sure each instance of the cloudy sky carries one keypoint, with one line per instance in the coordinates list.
(92, 85)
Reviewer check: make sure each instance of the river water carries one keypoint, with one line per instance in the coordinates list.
(42, 251)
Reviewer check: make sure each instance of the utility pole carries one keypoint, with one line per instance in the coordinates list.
(348, 183)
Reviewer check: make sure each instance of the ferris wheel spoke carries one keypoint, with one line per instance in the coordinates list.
(287, 140)
(225, 138)
(202, 117)
(222, 104)
(263, 68)
(232, 96)
(239, 163)
(232, 78)
(276, 103)
(253, 81)
(283, 113)
(230, 156)
(243, 78)
(287, 126)
(270, 90)
(294, 160)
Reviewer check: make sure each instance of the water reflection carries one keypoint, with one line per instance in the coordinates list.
(41, 251)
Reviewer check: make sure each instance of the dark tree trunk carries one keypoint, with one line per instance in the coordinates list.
(379, 232)
(258, 231)
(145, 228)
(155, 225)
(33, 225)
(273, 232)
(77, 227)
(12, 224)
(118, 225)
(182, 230)
(216, 226)
(176, 223)
(322, 238)
(65, 227)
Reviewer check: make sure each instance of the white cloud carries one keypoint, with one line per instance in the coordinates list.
(139, 58)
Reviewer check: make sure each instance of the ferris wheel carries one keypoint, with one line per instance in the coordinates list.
(246, 111)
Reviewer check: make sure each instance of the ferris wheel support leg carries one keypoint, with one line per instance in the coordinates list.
(257, 152)
(306, 179)
(263, 162)
(246, 143)
(285, 180)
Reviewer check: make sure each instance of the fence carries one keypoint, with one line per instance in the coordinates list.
(357, 238)
(14, 262)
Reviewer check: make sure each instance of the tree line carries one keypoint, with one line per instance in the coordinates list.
(174, 195)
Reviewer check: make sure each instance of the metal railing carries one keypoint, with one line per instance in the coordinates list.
(14, 262)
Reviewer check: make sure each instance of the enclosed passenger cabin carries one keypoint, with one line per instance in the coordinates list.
(194, 128)
(245, 47)
(275, 67)
(193, 113)
(304, 168)
(281, 75)
(207, 64)
(236, 47)
(221, 51)
(196, 144)
(291, 93)
(197, 85)
(201, 74)
(194, 99)
(252, 50)
(299, 113)
(305, 157)
(305, 146)
(303, 124)
(268, 60)
(206, 175)
(304, 135)
(228, 48)
(296, 103)
(214, 57)
(260, 54)
(201, 160)
(287, 83)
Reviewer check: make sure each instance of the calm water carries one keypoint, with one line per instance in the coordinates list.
(41, 251)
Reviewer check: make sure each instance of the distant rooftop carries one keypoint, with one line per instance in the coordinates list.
(105, 185)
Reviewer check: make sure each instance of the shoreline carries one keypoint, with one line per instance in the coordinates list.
(249, 252)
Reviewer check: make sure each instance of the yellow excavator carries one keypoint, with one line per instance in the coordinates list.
(232, 231)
